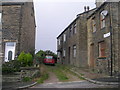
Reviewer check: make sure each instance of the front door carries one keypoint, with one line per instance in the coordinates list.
(9, 51)
(10, 55)
(69, 56)
(92, 62)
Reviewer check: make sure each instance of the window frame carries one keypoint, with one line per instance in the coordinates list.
(70, 31)
(74, 28)
(64, 53)
(59, 41)
(101, 49)
(74, 50)
(94, 25)
(64, 37)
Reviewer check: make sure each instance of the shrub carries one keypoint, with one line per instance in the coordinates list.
(22, 59)
(29, 59)
(11, 67)
(25, 59)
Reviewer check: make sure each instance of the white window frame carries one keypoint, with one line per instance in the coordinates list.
(74, 50)
(64, 52)
(64, 37)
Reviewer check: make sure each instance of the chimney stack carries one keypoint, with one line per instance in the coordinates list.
(85, 8)
(88, 8)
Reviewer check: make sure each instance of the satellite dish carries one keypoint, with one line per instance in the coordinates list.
(105, 12)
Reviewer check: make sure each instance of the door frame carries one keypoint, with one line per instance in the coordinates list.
(9, 48)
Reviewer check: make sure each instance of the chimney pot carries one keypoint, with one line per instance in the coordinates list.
(88, 8)
(85, 8)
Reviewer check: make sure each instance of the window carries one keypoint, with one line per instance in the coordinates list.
(74, 28)
(58, 54)
(0, 17)
(10, 44)
(102, 49)
(70, 31)
(63, 52)
(102, 17)
(94, 25)
(64, 37)
(58, 41)
(74, 50)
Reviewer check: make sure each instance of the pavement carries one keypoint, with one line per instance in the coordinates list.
(94, 77)
(17, 85)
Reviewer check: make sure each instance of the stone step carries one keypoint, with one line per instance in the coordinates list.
(11, 78)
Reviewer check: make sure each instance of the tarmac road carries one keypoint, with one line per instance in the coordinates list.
(75, 84)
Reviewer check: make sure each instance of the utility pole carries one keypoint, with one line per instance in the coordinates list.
(111, 69)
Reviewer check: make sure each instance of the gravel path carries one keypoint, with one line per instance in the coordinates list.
(52, 78)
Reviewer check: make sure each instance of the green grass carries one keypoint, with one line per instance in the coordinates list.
(79, 76)
(61, 70)
(43, 77)
(60, 75)
(67, 69)
(26, 79)
(58, 70)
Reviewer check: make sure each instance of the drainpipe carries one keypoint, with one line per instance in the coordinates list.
(111, 69)
(19, 35)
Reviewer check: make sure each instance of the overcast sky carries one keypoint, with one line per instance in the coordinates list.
(52, 17)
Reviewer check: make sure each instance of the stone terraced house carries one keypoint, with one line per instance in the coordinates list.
(72, 42)
(92, 39)
(103, 38)
(17, 32)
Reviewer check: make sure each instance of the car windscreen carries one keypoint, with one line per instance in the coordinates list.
(49, 57)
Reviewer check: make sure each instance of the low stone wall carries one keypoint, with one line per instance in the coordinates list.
(31, 72)
(102, 66)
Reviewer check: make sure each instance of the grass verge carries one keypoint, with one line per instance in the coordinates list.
(60, 75)
(43, 77)
(67, 69)
(58, 70)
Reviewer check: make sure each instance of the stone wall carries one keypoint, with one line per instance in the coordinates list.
(79, 39)
(18, 25)
(27, 29)
(31, 72)
(111, 21)
(10, 24)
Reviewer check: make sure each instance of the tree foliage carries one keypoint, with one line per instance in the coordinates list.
(40, 55)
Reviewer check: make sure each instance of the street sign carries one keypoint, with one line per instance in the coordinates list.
(106, 35)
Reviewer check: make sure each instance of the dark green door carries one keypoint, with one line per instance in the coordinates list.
(10, 55)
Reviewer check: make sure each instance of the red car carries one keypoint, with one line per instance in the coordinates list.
(49, 60)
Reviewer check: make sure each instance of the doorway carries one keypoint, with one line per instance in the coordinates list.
(92, 60)
(9, 51)
(69, 55)
(10, 55)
